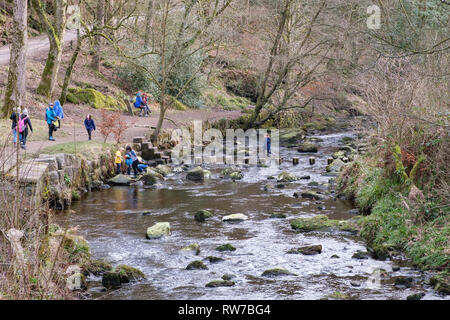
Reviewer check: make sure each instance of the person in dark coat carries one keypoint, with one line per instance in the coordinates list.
(24, 123)
(90, 125)
(14, 117)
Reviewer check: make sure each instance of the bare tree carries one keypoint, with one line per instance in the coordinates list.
(100, 21)
(55, 29)
(15, 90)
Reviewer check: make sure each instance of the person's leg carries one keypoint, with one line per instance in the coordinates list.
(14, 132)
(50, 131)
(128, 169)
(89, 134)
(135, 168)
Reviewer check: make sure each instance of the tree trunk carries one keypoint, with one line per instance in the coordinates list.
(69, 69)
(15, 90)
(148, 23)
(55, 35)
(100, 20)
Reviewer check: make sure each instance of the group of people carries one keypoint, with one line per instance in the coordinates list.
(131, 160)
(141, 103)
(20, 124)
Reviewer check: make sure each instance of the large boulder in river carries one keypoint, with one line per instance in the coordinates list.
(307, 147)
(286, 177)
(121, 180)
(158, 230)
(198, 174)
(336, 166)
(291, 136)
(238, 217)
(322, 222)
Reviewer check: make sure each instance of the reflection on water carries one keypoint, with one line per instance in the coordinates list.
(114, 224)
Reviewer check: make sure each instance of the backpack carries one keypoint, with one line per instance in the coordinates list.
(22, 124)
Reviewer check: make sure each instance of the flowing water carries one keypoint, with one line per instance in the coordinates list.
(114, 223)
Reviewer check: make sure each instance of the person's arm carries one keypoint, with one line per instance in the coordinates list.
(93, 125)
(29, 123)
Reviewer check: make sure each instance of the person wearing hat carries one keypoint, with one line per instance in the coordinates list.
(14, 118)
(24, 123)
(50, 117)
(59, 113)
(139, 103)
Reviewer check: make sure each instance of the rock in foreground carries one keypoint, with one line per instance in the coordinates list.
(158, 230)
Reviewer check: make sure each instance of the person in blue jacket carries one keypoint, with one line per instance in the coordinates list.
(139, 103)
(50, 117)
(89, 125)
(59, 113)
(268, 143)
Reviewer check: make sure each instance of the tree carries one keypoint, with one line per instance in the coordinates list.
(55, 29)
(15, 89)
(100, 21)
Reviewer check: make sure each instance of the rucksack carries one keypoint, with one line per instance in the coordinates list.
(22, 124)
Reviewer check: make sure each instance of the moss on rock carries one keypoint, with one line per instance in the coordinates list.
(95, 99)
(322, 222)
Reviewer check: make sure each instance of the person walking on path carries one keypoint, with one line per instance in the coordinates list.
(90, 125)
(268, 143)
(134, 158)
(59, 113)
(14, 118)
(23, 124)
(50, 117)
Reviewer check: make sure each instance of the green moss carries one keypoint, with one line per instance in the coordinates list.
(276, 272)
(95, 99)
(130, 273)
(220, 283)
(226, 247)
(322, 222)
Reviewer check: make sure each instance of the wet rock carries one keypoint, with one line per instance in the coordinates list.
(213, 259)
(238, 217)
(415, 296)
(321, 222)
(163, 169)
(275, 272)
(286, 177)
(354, 212)
(194, 248)
(198, 174)
(313, 184)
(96, 267)
(309, 195)
(280, 186)
(236, 176)
(220, 283)
(202, 215)
(335, 166)
(441, 283)
(355, 284)
(129, 274)
(158, 230)
(278, 216)
(335, 256)
(76, 281)
(151, 178)
(226, 247)
(312, 161)
(403, 282)
(307, 148)
(395, 268)
(228, 276)
(361, 255)
(305, 177)
(111, 280)
(339, 155)
(232, 173)
(196, 265)
(121, 180)
(310, 250)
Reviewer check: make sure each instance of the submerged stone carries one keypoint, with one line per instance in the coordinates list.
(415, 296)
(275, 272)
(309, 195)
(278, 216)
(228, 276)
(213, 259)
(121, 180)
(286, 177)
(361, 255)
(310, 250)
(195, 248)
(220, 283)
(198, 174)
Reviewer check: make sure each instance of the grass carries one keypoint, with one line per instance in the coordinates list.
(40, 130)
(89, 149)
(419, 229)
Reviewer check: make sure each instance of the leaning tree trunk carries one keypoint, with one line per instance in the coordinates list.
(55, 35)
(148, 23)
(100, 18)
(69, 69)
(15, 89)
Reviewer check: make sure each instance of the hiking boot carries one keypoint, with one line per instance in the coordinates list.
(51, 139)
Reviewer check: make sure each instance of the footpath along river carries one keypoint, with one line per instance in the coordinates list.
(114, 224)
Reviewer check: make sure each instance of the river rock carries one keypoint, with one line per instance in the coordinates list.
(275, 272)
(121, 180)
(226, 247)
(129, 274)
(195, 248)
(220, 283)
(361, 255)
(213, 259)
(196, 265)
(307, 148)
(231, 173)
(202, 215)
(415, 296)
(158, 230)
(238, 217)
(403, 282)
(151, 177)
(310, 250)
(441, 283)
(228, 276)
(309, 195)
(321, 222)
(286, 177)
(96, 267)
(335, 166)
(111, 280)
(163, 169)
(339, 154)
(278, 216)
(198, 174)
